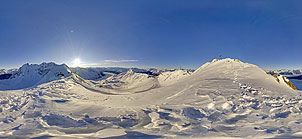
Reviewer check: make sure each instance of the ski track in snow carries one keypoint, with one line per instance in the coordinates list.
(181, 92)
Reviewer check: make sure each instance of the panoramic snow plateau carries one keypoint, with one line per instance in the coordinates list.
(222, 98)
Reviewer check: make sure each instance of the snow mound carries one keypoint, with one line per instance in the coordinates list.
(30, 75)
(216, 61)
(241, 71)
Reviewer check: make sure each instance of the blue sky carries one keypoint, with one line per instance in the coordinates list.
(151, 33)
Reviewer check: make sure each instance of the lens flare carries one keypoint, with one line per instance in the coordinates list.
(77, 62)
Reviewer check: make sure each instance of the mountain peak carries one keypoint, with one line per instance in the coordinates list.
(130, 72)
(220, 62)
(29, 75)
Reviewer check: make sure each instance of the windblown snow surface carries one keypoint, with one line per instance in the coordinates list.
(223, 98)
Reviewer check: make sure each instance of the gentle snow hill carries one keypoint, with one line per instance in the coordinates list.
(243, 73)
(30, 75)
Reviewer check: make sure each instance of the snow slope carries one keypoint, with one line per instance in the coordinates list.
(171, 77)
(223, 98)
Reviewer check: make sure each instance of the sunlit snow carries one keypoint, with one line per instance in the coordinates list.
(222, 98)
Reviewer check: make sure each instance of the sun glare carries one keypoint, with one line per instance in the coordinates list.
(76, 62)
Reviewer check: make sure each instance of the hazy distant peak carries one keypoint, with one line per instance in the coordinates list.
(130, 71)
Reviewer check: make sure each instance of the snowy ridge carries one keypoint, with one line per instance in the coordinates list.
(99, 73)
(285, 81)
(30, 75)
(129, 81)
(291, 75)
(171, 77)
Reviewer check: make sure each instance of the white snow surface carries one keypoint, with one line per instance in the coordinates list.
(222, 99)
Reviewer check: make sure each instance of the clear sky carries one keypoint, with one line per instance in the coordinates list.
(151, 33)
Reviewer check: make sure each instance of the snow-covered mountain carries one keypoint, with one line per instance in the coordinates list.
(172, 76)
(3, 71)
(222, 98)
(30, 75)
(132, 81)
(89, 73)
(285, 72)
(99, 73)
(7, 71)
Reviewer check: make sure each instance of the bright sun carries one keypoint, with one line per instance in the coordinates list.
(76, 62)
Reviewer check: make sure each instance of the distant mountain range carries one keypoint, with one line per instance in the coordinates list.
(285, 72)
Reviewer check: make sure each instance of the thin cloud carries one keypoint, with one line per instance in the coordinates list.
(119, 61)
